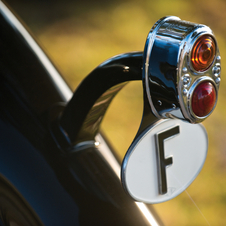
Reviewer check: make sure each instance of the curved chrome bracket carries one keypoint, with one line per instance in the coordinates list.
(80, 120)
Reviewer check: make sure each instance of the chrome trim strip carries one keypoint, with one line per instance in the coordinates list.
(60, 84)
(107, 154)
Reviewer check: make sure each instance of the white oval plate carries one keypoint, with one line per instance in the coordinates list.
(142, 174)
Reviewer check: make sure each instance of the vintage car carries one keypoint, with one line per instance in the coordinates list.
(41, 183)
(56, 168)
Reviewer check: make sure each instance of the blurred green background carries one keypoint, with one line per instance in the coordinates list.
(79, 35)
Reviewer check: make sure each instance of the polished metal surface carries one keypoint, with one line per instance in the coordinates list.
(169, 75)
(195, 76)
(106, 152)
(53, 73)
(147, 52)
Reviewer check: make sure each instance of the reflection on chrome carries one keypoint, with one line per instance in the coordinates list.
(150, 218)
(54, 74)
(109, 157)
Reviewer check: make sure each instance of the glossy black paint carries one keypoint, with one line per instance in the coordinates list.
(100, 86)
(53, 187)
(97, 90)
(162, 73)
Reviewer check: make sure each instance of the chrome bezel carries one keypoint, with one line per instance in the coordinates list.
(184, 61)
(147, 54)
(191, 92)
(193, 44)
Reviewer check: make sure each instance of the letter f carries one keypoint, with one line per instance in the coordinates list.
(162, 161)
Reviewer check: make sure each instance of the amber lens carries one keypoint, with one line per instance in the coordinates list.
(203, 53)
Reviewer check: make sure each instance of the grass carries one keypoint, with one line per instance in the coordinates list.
(79, 36)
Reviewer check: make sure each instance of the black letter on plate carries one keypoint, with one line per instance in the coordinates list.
(162, 162)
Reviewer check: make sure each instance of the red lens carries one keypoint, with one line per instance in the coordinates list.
(203, 53)
(203, 99)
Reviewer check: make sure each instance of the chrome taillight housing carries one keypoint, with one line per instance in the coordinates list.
(181, 70)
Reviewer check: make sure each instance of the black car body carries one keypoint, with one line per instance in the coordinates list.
(42, 184)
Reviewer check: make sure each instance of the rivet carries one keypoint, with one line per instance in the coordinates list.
(216, 70)
(159, 102)
(185, 70)
(97, 143)
(218, 80)
(185, 91)
(126, 69)
(218, 58)
(186, 80)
